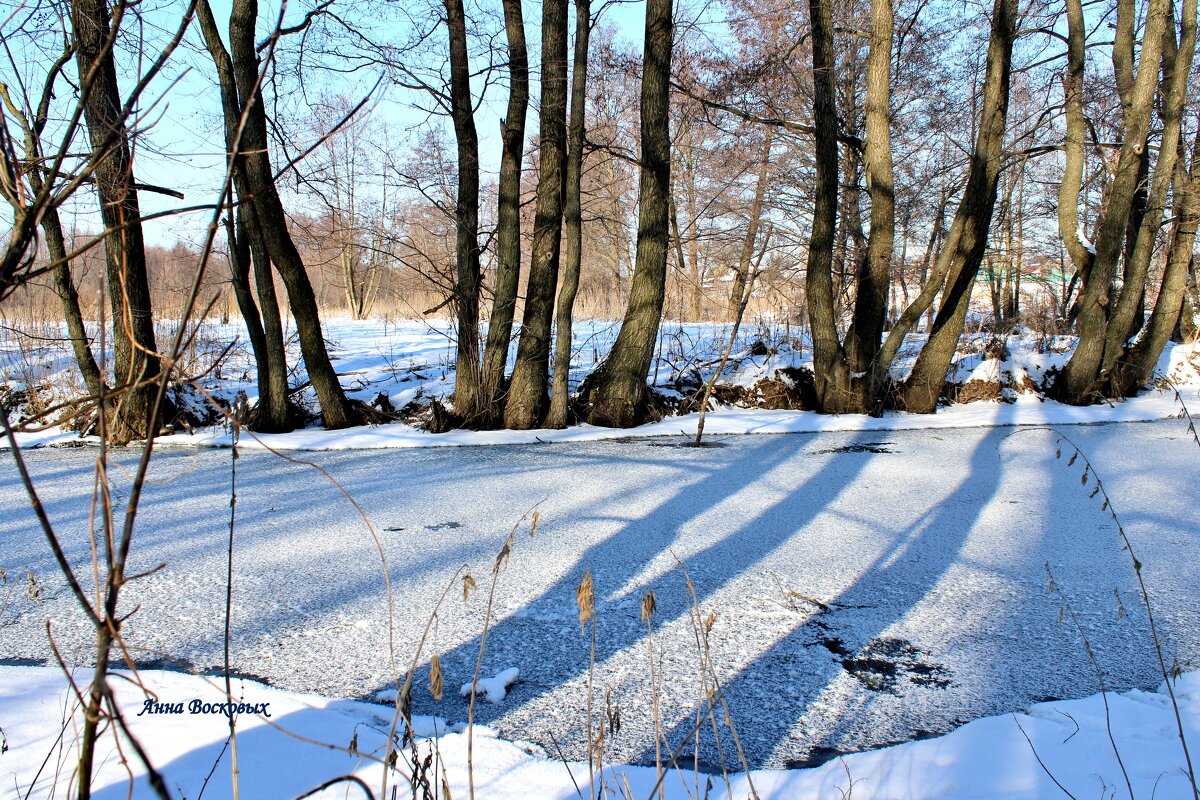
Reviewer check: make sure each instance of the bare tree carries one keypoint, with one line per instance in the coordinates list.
(558, 416)
(617, 395)
(508, 216)
(527, 396)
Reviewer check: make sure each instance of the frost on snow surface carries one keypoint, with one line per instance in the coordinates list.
(494, 688)
(1051, 748)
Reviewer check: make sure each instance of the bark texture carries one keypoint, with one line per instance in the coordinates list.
(1078, 382)
(559, 415)
(617, 395)
(527, 391)
(336, 409)
(136, 362)
(508, 223)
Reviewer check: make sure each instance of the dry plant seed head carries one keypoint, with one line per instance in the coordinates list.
(468, 586)
(585, 598)
(1084, 477)
(648, 607)
(446, 788)
(1074, 456)
(709, 622)
(502, 556)
(33, 590)
(435, 677)
(613, 714)
(353, 748)
(534, 524)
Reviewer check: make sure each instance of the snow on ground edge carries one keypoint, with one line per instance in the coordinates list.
(184, 734)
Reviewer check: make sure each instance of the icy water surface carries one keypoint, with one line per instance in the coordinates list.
(865, 588)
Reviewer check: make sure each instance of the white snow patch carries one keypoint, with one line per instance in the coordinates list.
(494, 688)
(1011, 756)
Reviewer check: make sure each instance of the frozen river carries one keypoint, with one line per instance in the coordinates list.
(867, 587)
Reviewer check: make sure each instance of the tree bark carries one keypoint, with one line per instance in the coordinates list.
(1127, 317)
(272, 222)
(135, 353)
(1144, 356)
(966, 243)
(527, 391)
(1069, 224)
(1077, 383)
(272, 413)
(870, 302)
(617, 396)
(741, 272)
(467, 394)
(508, 224)
(573, 222)
(830, 369)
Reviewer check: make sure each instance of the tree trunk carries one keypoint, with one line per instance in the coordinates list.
(527, 391)
(741, 272)
(1128, 316)
(64, 285)
(275, 411)
(1069, 225)
(468, 400)
(1143, 358)
(573, 222)
(961, 256)
(870, 303)
(272, 222)
(272, 413)
(618, 396)
(1077, 383)
(239, 268)
(135, 353)
(508, 224)
(829, 363)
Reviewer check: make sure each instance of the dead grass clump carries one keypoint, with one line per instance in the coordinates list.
(974, 391)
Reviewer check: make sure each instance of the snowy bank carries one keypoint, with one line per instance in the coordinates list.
(308, 739)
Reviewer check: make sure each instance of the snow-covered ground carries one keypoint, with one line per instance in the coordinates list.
(926, 551)
(1027, 755)
(410, 362)
(870, 581)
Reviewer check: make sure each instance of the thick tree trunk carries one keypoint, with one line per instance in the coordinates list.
(870, 303)
(135, 353)
(573, 222)
(527, 391)
(267, 207)
(272, 413)
(239, 268)
(1128, 316)
(960, 259)
(1068, 191)
(1139, 365)
(618, 396)
(508, 223)
(832, 373)
(468, 400)
(1078, 382)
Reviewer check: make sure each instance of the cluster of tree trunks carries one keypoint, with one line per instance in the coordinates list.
(855, 335)
(1108, 361)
